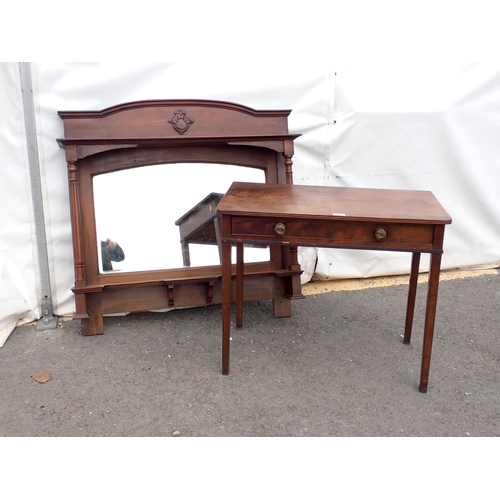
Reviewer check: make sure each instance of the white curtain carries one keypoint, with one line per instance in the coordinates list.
(424, 127)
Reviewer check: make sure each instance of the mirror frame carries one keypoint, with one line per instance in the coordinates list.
(159, 132)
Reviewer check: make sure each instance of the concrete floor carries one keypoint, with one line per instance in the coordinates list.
(337, 367)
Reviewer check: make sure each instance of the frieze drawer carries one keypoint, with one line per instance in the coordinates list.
(336, 232)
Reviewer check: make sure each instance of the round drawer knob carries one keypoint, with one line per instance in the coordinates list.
(280, 229)
(380, 234)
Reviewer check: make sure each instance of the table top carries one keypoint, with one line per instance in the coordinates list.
(333, 203)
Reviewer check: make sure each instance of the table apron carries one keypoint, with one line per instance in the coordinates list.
(405, 237)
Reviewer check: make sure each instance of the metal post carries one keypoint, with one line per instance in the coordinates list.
(48, 320)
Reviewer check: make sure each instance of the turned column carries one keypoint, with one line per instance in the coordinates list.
(291, 257)
(76, 225)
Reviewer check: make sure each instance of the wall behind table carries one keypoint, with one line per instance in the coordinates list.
(429, 127)
(18, 268)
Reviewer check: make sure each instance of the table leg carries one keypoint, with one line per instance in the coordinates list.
(412, 294)
(186, 259)
(430, 316)
(239, 284)
(226, 306)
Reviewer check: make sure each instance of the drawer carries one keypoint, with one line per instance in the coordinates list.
(340, 233)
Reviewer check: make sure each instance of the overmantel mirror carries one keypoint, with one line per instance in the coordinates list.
(145, 179)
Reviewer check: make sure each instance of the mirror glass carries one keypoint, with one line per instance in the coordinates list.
(143, 213)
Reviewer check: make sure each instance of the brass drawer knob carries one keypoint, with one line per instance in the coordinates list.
(279, 229)
(380, 234)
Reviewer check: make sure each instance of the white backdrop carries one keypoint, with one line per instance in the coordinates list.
(18, 269)
(423, 127)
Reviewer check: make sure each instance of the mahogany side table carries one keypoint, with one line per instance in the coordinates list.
(335, 217)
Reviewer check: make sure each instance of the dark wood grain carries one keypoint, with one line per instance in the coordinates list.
(334, 203)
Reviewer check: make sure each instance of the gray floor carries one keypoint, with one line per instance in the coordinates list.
(337, 367)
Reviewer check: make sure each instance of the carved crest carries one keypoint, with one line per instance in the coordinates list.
(180, 121)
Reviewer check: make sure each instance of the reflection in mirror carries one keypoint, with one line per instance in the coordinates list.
(163, 216)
